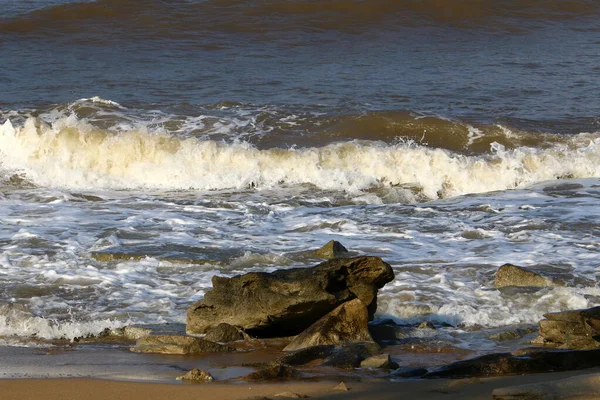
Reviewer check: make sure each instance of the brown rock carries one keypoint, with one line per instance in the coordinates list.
(377, 361)
(225, 333)
(346, 324)
(333, 249)
(351, 355)
(166, 344)
(286, 302)
(512, 275)
(292, 395)
(574, 329)
(276, 371)
(197, 375)
(341, 386)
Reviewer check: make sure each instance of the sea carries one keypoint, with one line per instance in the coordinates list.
(149, 145)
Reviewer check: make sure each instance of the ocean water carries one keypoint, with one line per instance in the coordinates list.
(146, 146)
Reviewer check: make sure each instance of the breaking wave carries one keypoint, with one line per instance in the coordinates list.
(71, 153)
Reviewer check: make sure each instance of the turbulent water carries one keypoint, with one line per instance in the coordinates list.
(146, 146)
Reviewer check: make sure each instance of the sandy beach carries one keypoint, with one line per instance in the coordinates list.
(92, 389)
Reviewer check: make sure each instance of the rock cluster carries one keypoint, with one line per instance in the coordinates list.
(286, 302)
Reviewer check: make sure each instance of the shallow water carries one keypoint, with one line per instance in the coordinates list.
(192, 138)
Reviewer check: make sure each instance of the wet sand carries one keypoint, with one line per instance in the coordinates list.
(92, 389)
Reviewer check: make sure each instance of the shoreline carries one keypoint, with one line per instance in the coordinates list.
(98, 372)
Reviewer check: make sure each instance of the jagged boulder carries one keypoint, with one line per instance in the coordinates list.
(285, 302)
(167, 344)
(513, 275)
(574, 329)
(348, 323)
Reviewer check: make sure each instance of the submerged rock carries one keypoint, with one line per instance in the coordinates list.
(512, 275)
(197, 375)
(346, 324)
(509, 364)
(307, 354)
(285, 302)
(167, 344)
(276, 371)
(583, 386)
(333, 249)
(408, 372)
(574, 329)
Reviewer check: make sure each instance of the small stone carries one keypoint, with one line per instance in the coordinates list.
(333, 249)
(342, 387)
(197, 375)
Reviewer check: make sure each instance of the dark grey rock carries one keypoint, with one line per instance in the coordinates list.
(351, 355)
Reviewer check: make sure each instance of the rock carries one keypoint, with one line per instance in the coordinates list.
(166, 344)
(225, 333)
(130, 332)
(292, 395)
(425, 325)
(307, 354)
(511, 334)
(285, 302)
(574, 329)
(509, 364)
(387, 331)
(197, 375)
(377, 361)
(276, 371)
(408, 372)
(512, 275)
(348, 323)
(582, 386)
(341, 386)
(333, 249)
(351, 355)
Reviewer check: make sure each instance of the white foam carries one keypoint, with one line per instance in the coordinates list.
(70, 153)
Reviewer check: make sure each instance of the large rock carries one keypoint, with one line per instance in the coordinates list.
(512, 275)
(167, 344)
(348, 323)
(286, 302)
(536, 361)
(574, 329)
